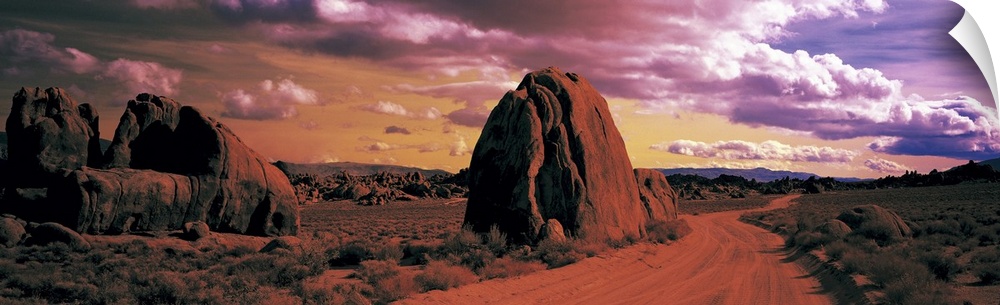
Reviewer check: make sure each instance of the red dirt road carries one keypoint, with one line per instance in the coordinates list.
(724, 261)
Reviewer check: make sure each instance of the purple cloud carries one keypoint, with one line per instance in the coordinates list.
(396, 129)
(143, 76)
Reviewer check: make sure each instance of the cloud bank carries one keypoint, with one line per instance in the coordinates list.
(767, 150)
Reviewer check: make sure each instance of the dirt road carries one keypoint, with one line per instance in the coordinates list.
(723, 262)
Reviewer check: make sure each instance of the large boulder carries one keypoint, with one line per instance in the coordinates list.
(51, 232)
(47, 134)
(656, 195)
(834, 228)
(875, 222)
(550, 150)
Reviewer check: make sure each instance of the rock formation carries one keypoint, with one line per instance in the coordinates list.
(875, 222)
(167, 165)
(550, 150)
(48, 133)
(657, 196)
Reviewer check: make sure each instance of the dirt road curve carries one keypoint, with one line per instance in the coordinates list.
(723, 262)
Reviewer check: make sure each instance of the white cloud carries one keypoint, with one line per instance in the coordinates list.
(767, 150)
(390, 108)
(884, 166)
(143, 76)
(271, 100)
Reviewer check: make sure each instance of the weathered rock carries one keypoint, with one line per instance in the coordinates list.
(656, 195)
(442, 192)
(834, 228)
(144, 125)
(550, 150)
(875, 222)
(168, 165)
(50, 232)
(290, 243)
(195, 230)
(553, 231)
(11, 232)
(48, 133)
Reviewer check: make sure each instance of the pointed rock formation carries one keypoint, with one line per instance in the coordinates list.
(550, 150)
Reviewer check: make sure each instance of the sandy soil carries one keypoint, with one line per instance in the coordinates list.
(723, 262)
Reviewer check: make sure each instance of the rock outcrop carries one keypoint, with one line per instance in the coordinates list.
(656, 195)
(550, 150)
(875, 222)
(47, 134)
(51, 232)
(167, 165)
(834, 228)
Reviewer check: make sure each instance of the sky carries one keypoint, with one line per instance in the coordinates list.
(863, 88)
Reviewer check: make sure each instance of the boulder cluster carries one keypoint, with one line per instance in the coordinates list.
(376, 189)
(167, 167)
(550, 157)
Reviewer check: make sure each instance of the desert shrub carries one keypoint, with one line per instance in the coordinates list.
(473, 259)
(352, 253)
(172, 288)
(240, 251)
(947, 227)
(441, 276)
(890, 267)
(986, 255)
(808, 240)
(556, 254)
(509, 267)
(496, 241)
(267, 269)
(988, 273)
(665, 231)
(343, 293)
(854, 261)
(388, 252)
(460, 242)
(372, 271)
(911, 290)
(943, 267)
(835, 250)
(988, 235)
(394, 288)
(420, 250)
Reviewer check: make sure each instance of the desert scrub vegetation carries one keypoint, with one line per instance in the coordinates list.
(952, 246)
(695, 207)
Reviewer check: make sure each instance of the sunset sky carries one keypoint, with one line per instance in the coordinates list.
(860, 88)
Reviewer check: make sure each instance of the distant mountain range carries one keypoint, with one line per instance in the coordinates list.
(760, 174)
(357, 169)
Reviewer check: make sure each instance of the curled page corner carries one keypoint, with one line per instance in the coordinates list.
(970, 35)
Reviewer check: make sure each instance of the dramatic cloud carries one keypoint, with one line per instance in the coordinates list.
(386, 107)
(720, 57)
(396, 129)
(270, 101)
(143, 76)
(26, 51)
(885, 166)
(767, 150)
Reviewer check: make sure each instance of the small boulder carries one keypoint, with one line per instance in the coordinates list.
(552, 230)
(11, 232)
(834, 228)
(195, 230)
(289, 243)
(50, 232)
(875, 222)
